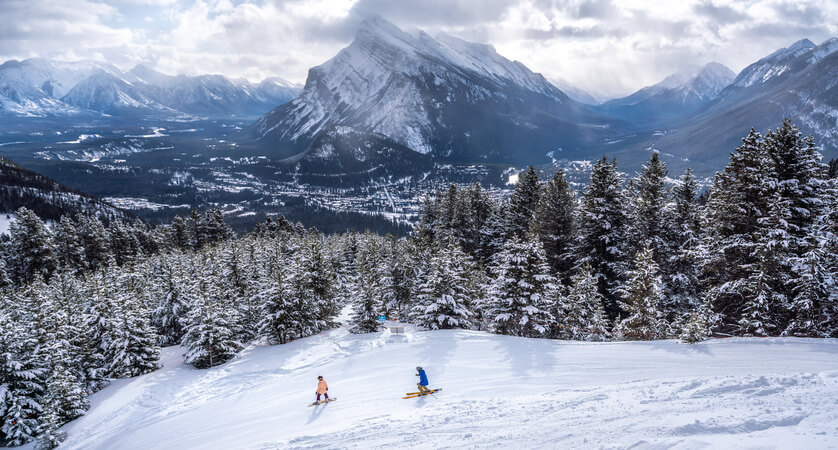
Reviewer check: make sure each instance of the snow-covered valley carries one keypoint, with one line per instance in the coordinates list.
(499, 391)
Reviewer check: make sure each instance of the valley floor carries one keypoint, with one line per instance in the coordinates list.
(499, 392)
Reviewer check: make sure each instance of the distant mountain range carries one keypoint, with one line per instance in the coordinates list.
(390, 93)
(800, 82)
(673, 99)
(41, 87)
(463, 102)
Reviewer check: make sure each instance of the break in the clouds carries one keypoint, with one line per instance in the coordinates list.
(604, 46)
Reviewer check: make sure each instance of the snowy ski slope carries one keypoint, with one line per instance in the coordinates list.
(500, 392)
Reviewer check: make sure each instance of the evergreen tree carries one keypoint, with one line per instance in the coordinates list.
(641, 301)
(583, 316)
(494, 233)
(95, 240)
(123, 242)
(280, 319)
(369, 288)
(519, 305)
(5, 281)
(133, 349)
(602, 233)
(523, 203)
(554, 224)
(812, 286)
(211, 326)
(649, 197)
(68, 246)
(64, 401)
(173, 298)
(211, 228)
(699, 326)
(681, 272)
(30, 248)
(21, 382)
(476, 206)
(739, 201)
(443, 292)
(314, 286)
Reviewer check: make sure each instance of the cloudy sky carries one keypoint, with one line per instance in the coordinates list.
(609, 47)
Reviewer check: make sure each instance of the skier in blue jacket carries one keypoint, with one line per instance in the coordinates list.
(423, 381)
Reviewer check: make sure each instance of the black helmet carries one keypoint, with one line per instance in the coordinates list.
(418, 368)
(319, 377)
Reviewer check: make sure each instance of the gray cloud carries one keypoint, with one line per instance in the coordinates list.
(720, 14)
(610, 47)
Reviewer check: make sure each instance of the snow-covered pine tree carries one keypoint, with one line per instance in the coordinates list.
(5, 281)
(68, 247)
(649, 195)
(63, 401)
(236, 273)
(602, 232)
(369, 289)
(211, 329)
(519, 304)
(30, 248)
(180, 233)
(133, 349)
(523, 203)
(429, 216)
(280, 317)
(211, 227)
(402, 273)
(95, 240)
(314, 284)
(21, 382)
(124, 243)
(739, 198)
(801, 180)
(451, 215)
(681, 272)
(193, 230)
(476, 206)
(583, 314)
(99, 318)
(641, 301)
(554, 224)
(494, 233)
(699, 326)
(443, 296)
(171, 298)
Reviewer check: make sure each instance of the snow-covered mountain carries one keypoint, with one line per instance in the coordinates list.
(43, 87)
(497, 392)
(798, 82)
(441, 96)
(577, 94)
(674, 98)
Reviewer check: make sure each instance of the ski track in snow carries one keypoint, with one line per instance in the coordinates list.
(499, 391)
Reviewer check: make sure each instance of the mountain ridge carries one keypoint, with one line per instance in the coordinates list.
(445, 97)
(40, 87)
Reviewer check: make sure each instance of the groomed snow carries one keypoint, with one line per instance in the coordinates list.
(498, 392)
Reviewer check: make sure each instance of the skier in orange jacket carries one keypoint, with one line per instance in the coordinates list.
(322, 388)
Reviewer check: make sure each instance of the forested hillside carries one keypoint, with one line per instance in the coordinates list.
(637, 259)
(48, 198)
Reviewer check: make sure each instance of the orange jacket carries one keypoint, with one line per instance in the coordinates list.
(322, 387)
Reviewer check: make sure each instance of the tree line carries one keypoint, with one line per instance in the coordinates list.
(645, 258)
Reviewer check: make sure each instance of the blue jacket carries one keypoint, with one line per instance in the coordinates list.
(423, 379)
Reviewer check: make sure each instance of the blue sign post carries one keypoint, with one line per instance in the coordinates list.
(382, 318)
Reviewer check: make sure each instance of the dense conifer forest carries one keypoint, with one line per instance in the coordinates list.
(651, 257)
